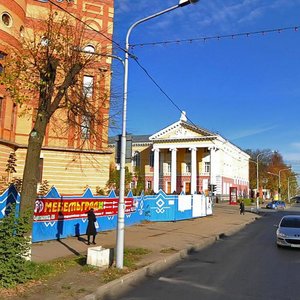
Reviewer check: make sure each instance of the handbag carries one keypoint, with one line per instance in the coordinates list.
(96, 224)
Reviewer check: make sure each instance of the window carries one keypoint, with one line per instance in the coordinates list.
(188, 167)
(89, 48)
(151, 159)
(168, 167)
(136, 160)
(85, 127)
(22, 30)
(132, 184)
(2, 56)
(88, 82)
(44, 41)
(149, 185)
(6, 19)
(207, 167)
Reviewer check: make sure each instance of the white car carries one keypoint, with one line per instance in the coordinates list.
(288, 231)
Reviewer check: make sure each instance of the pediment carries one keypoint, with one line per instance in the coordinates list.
(181, 130)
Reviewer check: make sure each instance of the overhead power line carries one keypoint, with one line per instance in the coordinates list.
(217, 37)
(124, 50)
(87, 25)
(160, 88)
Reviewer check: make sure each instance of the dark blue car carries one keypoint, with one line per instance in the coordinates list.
(276, 205)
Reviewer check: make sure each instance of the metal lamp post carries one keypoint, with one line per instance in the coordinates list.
(278, 175)
(279, 181)
(121, 207)
(296, 174)
(257, 179)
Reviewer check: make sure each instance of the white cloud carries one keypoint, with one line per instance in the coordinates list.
(295, 145)
(251, 132)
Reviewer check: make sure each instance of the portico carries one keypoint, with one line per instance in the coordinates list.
(180, 153)
(186, 158)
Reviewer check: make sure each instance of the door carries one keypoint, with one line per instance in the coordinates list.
(168, 187)
(187, 187)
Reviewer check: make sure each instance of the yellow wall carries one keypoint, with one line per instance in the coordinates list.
(70, 172)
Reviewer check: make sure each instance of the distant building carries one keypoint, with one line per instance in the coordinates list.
(185, 157)
(62, 163)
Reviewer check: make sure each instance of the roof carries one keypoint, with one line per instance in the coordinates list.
(143, 138)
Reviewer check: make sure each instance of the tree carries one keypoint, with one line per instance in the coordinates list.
(11, 165)
(44, 188)
(265, 156)
(278, 167)
(270, 163)
(44, 76)
(114, 179)
(14, 248)
(140, 181)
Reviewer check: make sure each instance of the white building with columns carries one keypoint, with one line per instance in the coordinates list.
(185, 157)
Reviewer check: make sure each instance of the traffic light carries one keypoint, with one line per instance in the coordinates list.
(214, 187)
(209, 187)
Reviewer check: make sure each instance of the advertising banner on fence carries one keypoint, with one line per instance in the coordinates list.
(53, 209)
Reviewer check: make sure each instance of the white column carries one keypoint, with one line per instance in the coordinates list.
(193, 170)
(213, 165)
(156, 171)
(173, 169)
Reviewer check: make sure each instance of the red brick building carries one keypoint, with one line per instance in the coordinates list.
(61, 163)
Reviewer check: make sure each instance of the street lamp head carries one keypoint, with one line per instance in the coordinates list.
(186, 2)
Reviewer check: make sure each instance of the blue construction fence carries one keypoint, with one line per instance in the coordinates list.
(57, 216)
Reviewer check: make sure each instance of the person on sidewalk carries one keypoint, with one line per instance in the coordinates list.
(91, 228)
(242, 207)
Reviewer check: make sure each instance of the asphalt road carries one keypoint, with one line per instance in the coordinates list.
(245, 266)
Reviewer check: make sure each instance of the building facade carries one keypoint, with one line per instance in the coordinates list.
(186, 158)
(62, 163)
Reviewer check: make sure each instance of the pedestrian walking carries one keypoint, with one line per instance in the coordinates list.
(242, 207)
(91, 227)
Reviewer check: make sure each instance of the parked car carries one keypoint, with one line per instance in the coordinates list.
(276, 205)
(288, 231)
(295, 199)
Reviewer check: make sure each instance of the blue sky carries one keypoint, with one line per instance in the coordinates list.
(245, 88)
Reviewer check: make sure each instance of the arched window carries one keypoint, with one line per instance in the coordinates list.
(22, 31)
(89, 48)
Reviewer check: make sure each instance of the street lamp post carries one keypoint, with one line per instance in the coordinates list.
(121, 207)
(274, 175)
(257, 178)
(289, 185)
(279, 181)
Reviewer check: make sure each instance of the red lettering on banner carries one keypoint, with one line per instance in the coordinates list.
(74, 208)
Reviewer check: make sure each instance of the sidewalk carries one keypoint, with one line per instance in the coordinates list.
(181, 236)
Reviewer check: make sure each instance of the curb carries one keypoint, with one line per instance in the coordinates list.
(119, 286)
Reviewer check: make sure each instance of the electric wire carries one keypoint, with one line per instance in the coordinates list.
(217, 37)
(160, 88)
(87, 25)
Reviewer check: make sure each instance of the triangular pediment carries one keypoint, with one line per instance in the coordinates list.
(182, 130)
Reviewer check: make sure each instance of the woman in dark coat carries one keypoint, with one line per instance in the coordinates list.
(242, 208)
(91, 228)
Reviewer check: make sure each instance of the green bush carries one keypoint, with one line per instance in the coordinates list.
(14, 247)
(247, 201)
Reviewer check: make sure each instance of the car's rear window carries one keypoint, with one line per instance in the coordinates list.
(290, 222)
